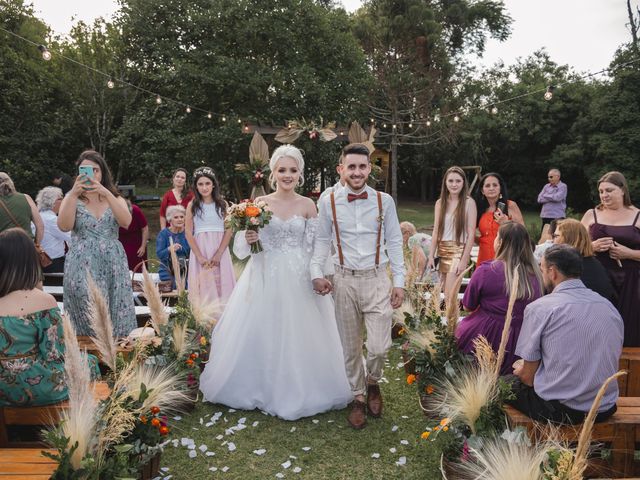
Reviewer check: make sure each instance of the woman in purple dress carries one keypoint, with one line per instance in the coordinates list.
(614, 227)
(487, 294)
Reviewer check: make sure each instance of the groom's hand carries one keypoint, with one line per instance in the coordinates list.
(321, 286)
(397, 296)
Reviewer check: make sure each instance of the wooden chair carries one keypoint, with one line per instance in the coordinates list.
(621, 431)
(629, 384)
(40, 415)
(25, 464)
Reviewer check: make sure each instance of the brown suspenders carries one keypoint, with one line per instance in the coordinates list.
(335, 224)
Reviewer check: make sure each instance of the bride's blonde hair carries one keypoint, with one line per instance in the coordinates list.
(286, 151)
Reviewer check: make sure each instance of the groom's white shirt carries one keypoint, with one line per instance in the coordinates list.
(358, 223)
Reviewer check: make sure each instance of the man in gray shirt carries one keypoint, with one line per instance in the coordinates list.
(570, 343)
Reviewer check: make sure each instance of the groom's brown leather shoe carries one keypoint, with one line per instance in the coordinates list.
(357, 417)
(374, 401)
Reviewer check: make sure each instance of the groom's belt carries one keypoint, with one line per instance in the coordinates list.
(351, 271)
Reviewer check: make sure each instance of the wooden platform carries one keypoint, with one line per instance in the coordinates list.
(629, 385)
(25, 464)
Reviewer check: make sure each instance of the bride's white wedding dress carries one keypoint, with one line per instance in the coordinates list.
(276, 346)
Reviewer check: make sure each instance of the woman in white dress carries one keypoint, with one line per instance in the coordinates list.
(276, 346)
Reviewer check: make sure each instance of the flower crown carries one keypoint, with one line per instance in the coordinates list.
(204, 171)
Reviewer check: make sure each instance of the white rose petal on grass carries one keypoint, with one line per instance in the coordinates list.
(375, 455)
(293, 457)
(394, 428)
(191, 446)
(405, 416)
(203, 448)
(400, 365)
(315, 420)
(393, 450)
(213, 469)
(402, 461)
(219, 437)
(255, 424)
(293, 429)
(279, 475)
(201, 420)
(164, 469)
(242, 420)
(186, 441)
(177, 418)
(232, 410)
(210, 454)
(193, 454)
(286, 464)
(231, 446)
(297, 470)
(404, 442)
(260, 451)
(306, 449)
(225, 469)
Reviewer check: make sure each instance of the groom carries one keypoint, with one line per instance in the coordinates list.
(364, 228)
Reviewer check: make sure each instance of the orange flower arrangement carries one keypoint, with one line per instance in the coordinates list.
(429, 389)
(143, 419)
(155, 410)
(252, 211)
(193, 356)
(155, 422)
(189, 362)
(164, 430)
(411, 378)
(425, 435)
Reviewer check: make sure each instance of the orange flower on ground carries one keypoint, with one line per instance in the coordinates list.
(164, 430)
(252, 211)
(203, 341)
(155, 410)
(189, 362)
(444, 429)
(425, 435)
(155, 422)
(401, 331)
(429, 389)
(143, 419)
(411, 378)
(444, 421)
(193, 355)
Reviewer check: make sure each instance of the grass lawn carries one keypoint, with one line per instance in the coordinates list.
(323, 447)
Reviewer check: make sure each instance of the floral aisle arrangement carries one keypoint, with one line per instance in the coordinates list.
(248, 215)
(256, 169)
(115, 437)
(470, 399)
(511, 454)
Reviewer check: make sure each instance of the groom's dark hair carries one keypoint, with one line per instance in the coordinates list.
(355, 148)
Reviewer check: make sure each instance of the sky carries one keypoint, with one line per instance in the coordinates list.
(581, 33)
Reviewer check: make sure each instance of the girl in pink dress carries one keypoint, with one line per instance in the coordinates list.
(211, 276)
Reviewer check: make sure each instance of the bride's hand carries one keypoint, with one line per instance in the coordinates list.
(322, 286)
(251, 236)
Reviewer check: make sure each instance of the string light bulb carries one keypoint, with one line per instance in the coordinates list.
(159, 100)
(46, 54)
(410, 125)
(239, 121)
(393, 126)
(548, 95)
(372, 120)
(188, 109)
(456, 118)
(384, 125)
(246, 127)
(428, 123)
(224, 119)
(209, 115)
(110, 84)
(494, 110)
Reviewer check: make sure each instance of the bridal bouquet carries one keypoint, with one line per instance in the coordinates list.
(248, 215)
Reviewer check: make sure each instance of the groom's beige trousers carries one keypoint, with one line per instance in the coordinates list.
(362, 299)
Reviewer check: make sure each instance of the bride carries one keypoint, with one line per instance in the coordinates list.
(276, 346)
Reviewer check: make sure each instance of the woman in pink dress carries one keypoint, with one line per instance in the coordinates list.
(178, 195)
(211, 276)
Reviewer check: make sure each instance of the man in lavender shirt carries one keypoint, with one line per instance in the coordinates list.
(570, 343)
(553, 198)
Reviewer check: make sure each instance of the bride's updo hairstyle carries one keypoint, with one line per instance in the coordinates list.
(286, 151)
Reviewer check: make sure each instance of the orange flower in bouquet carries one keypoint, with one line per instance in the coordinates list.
(248, 215)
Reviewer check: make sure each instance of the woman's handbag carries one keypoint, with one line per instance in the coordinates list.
(45, 260)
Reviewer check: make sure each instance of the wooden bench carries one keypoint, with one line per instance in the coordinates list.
(86, 343)
(25, 464)
(40, 415)
(629, 384)
(621, 430)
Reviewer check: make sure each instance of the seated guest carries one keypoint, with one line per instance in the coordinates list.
(416, 247)
(32, 341)
(487, 294)
(175, 232)
(546, 239)
(53, 241)
(594, 275)
(570, 343)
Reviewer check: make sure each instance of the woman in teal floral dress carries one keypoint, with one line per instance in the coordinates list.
(94, 210)
(31, 336)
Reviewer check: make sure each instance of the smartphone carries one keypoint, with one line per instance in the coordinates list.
(86, 170)
(501, 206)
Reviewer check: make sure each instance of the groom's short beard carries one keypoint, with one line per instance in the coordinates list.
(349, 182)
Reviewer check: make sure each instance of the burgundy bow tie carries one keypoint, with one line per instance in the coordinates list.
(352, 196)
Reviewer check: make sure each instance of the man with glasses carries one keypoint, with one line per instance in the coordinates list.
(553, 198)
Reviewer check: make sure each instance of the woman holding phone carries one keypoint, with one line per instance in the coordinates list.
(211, 276)
(614, 228)
(93, 210)
(494, 209)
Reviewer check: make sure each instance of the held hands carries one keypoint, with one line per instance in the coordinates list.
(91, 185)
(175, 247)
(215, 261)
(322, 286)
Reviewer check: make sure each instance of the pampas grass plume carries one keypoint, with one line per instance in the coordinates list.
(101, 324)
(159, 316)
(165, 388)
(180, 282)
